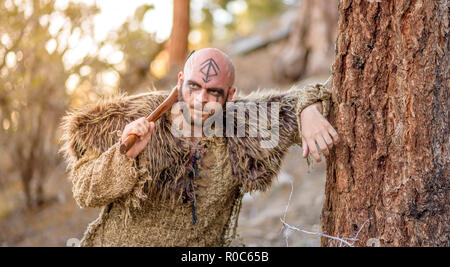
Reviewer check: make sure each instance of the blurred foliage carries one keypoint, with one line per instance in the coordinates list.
(50, 62)
(43, 72)
(216, 22)
(32, 78)
(230, 19)
(139, 49)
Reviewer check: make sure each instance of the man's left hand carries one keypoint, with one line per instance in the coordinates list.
(316, 131)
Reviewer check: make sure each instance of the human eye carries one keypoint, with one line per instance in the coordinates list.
(194, 86)
(214, 93)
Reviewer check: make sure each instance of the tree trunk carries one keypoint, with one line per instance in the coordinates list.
(391, 109)
(26, 182)
(178, 45)
(310, 48)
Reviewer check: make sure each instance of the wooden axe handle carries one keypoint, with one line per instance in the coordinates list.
(131, 139)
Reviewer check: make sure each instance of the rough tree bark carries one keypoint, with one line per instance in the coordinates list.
(178, 45)
(391, 108)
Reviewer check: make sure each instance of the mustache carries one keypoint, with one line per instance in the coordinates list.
(199, 108)
(209, 107)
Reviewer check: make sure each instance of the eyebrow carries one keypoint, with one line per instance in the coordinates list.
(220, 90)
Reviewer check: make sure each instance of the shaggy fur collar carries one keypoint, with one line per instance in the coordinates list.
(97, 127)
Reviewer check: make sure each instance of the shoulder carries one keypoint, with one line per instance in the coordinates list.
(95, 126)
(261, 95)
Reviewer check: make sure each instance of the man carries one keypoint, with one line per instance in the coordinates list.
(181, 190)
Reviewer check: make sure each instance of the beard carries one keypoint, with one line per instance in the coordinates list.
(188, 116)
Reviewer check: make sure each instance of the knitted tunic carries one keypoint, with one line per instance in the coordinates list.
(163, 197)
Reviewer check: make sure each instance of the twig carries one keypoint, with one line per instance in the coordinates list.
(328, 80)
(285, 211)
(314, 233)
(342, 240)
(357, 233)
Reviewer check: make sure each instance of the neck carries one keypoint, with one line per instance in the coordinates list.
(188, 131)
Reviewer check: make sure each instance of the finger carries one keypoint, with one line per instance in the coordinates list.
(142, 120)
(328, 139)
(125, 132)
(323, 146)
(136, 130)
(146, 137)
(334, 134)
(128, 132)
(151, 126)
(146, 125)
(305, 148)
(144, 132)
(149, 132)
(313, 150)
(143, 129)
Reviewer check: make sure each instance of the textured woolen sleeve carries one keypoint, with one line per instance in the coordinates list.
(99, 179)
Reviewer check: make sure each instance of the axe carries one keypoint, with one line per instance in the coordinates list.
(167, 104)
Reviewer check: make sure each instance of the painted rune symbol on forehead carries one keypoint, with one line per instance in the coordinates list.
(209, 68)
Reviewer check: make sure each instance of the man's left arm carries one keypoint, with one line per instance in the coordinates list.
(301, 117)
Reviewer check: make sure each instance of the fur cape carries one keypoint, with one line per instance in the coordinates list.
(103, 177)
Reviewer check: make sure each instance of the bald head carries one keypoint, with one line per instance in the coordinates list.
(207, 78)
(212, 65)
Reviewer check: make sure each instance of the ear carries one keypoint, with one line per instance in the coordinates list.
(231, 94)
(180, 79)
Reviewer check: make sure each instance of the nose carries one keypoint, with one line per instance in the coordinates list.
(202, 97)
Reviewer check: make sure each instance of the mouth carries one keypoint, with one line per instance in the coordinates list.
(199, 112)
